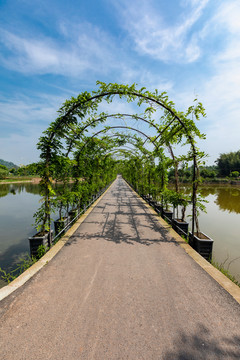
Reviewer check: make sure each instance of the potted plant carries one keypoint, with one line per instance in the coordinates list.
(158, 207)
(201, 242)
(179, 223)
(73, 213)
(60, 204)
(166, 197)
(43, 215)
(44, 235)
(72, 202)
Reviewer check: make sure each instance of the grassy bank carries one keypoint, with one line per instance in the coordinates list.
(225, 272)
(14, 179)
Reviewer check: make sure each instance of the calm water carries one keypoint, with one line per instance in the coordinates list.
(222, 223)
(18, 202)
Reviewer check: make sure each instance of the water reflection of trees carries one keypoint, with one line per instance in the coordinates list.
(14, 189)
(4, 190)
(226, 198)
(29, 188)
(32, 188)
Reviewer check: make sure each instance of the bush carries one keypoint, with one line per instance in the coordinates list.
(234, 174)
(3, 173)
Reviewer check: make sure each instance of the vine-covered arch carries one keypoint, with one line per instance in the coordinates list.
(79, 114)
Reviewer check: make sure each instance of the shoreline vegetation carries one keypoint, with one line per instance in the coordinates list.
(20, 179)
(36, 180)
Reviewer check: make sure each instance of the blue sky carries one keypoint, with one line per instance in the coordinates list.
(52, 50)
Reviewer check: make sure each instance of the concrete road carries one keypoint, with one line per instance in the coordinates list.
(122, 288)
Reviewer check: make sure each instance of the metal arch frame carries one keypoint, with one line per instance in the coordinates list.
(117, 150)
(117, 127)
(118, 115)
(128, 136)
(146, 98)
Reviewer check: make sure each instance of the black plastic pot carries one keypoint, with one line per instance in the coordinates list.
(180, 226)
(38, 240)
(72, 214)
(158, 208)
(152, 203)
(60, 224)
(168, 214)
(203, 244)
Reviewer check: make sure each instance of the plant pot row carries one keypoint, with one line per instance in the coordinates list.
(202, 243)
(44, 239)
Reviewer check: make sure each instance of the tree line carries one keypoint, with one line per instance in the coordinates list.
(227, 165)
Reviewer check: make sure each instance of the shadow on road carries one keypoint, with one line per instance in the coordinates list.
(202, 346)
(121, 217)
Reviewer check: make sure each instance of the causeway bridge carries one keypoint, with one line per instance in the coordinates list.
(123, 286)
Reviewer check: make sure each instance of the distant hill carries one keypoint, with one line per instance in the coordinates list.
(8, 164)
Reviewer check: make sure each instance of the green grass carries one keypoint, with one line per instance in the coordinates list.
(16, 178)
(23, 264)
(225, 272)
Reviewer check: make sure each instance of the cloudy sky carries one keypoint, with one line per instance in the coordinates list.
(52, 50)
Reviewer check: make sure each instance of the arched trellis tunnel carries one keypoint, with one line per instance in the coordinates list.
(66, 142)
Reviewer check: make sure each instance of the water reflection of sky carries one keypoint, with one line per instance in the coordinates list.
(18, 203)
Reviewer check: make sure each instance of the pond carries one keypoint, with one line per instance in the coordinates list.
(18, 202)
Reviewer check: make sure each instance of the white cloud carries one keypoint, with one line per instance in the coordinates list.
(25, 113)
(85, 48)
(228, 15)
(153, 37)
(18, 112)
(219, 89)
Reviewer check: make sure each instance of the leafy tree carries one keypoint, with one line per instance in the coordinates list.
(228, 163)
(208, 173)
(3, 172)
(29, 170)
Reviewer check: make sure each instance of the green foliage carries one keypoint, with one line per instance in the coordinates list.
(40, 217)
(69, 155)
(234, 174)
(225, 272)
(31, 169)
(3, 173)
(169, 197)
(228, 162)
(13, 171)
(3, 167)
(23, 264)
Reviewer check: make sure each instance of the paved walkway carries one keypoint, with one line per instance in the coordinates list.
(122, 288)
